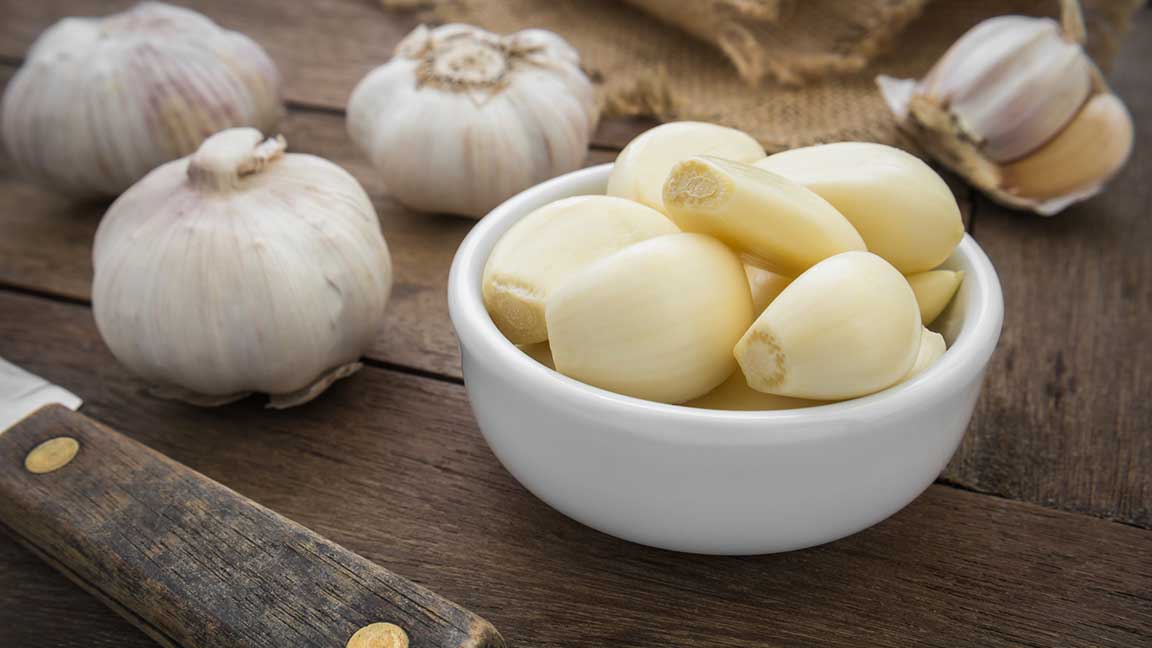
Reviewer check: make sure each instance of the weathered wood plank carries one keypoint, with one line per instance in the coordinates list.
(1066, 415)
(322, 48)
(392, 467)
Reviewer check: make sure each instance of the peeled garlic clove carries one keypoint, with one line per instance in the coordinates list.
(902, 208)
(100, 102)
(765, 286)
(461, 119)
(241, 269)
(847, 327)
(932, 346)
(1017, 107)
(774, 222)
(1086, 154)
(538, 253)
(643, 165)
(734, 394)
(656, 320)
(934, 290)
(540, 352)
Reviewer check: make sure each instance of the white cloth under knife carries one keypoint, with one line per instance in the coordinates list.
(22, 393)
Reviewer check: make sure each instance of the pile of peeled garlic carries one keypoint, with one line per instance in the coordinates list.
(1017, 107)
(100, 102)
(461, 119)
(241, 269)
(714, 276)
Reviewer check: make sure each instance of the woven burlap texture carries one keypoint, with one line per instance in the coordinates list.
(645, 67)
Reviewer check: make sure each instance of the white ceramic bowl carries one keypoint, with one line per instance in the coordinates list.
(712, 481)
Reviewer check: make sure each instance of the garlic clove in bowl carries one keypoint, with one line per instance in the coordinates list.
(461, 119)
(100, 102)
(241, 269)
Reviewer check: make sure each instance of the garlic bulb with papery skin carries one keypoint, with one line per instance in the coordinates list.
(100, 102)
(241, 269)
(1018, 108)
(461, 119)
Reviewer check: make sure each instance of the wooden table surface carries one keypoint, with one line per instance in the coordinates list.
(1039, 533)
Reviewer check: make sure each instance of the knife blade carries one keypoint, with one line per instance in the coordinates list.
(190, 562)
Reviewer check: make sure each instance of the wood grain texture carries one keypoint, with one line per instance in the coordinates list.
(392, 467)
(194, 564)
(1066, 418)
(322, 47)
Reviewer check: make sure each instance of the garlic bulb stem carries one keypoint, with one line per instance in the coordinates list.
(231, 154)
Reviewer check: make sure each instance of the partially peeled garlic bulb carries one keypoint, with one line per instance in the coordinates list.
(847, 327)
(903, 210)
(656, 320)
(644, 164)
(1017, 107)
(100, 102)
(549, 245)
(773, 222)
(461, 119)
(241, 269)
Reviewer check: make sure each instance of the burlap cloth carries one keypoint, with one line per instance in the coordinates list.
(790, 72)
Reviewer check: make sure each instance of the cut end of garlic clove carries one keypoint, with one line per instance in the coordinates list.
(644, 164)
(934, 291)
(774, 222)
(656, 320)
(903, 210)
(231, 154)
(551, 244)
(847, 327)
(932, 347)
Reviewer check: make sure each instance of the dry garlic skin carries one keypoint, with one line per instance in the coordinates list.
(775, 223)
(549, 245)
(656, 320)
(100, 102)
(643, 165)
(934, 290)
(228, 275)
(462, 119)
(903, 210)
(847, 327)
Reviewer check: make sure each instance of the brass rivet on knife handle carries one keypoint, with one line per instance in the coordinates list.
(51, 455)
(379, 635)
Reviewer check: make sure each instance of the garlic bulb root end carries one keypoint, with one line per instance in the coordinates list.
(299, 397)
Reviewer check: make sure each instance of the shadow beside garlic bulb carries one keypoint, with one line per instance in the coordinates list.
(241, 269)
(461, 119)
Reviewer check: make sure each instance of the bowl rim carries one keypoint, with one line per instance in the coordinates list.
(963, 361)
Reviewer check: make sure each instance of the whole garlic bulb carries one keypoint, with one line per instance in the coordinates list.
(1017, 107)
(100, 102)
(241, 269)
(461, 119)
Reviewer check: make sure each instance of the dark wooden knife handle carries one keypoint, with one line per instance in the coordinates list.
(193, 563)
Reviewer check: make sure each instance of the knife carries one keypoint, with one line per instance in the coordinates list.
(187, 560)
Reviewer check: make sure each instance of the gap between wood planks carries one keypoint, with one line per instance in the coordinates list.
(381, 365)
